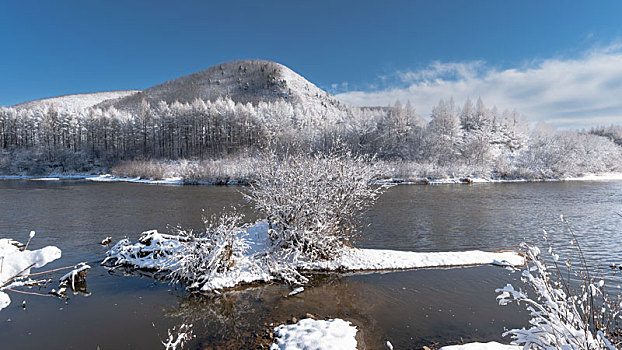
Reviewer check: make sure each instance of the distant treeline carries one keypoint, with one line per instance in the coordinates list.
(44, 138)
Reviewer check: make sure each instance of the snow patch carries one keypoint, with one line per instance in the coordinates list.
(16, 263)
(354, 259)
(76, 102)
(313, 334)
(296, 291)
(482, 346)
(596, 177)
(4, 300)
(110, 178)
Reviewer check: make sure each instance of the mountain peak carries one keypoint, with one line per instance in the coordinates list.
(244, 81)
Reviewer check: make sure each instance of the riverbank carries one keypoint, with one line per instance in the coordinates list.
(178, 180)
(166, 252)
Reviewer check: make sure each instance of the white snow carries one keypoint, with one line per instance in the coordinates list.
(150, 252)
(376, 259)
(310, 334)
(159, 251)
(78, 101)
(15, 263)
(71, 275)
(596, 177)
(110, 178)
(296, 291)
(478, 180)
(177, 180)
(482, 346)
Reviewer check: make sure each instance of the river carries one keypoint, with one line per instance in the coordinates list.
(408, 308)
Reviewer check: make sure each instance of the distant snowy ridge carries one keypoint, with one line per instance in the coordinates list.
(243, 81)
(76, 102)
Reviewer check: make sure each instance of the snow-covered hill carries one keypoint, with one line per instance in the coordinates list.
(243, 81)
(77, 101)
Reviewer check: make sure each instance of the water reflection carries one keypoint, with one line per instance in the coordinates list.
(409, 308)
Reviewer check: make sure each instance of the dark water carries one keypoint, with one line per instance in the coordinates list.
(409, 308)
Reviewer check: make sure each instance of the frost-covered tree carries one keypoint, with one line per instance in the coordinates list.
(311, 203)
(443, 134)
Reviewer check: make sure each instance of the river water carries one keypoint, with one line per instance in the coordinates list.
(408, 308)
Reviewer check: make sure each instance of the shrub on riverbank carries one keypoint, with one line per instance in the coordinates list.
(564, 316)
(221, 171)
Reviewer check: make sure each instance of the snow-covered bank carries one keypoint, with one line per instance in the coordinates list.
(111, 178)
(472, 180)
(177, 180)
(355, 259)
(316, 334)
(596, 177)
(482, 346)
(16, 263)
(49, 177)
(164, 252)
(94, 178)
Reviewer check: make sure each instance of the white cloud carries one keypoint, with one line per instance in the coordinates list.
(575, 93)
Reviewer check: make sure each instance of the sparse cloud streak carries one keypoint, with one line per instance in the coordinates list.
(568, 93)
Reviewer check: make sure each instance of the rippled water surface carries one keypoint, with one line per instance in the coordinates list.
(409, 308)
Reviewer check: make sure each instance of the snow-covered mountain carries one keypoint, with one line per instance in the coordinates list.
(77, 101)
(244, 81)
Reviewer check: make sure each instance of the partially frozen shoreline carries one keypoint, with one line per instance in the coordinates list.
(237, 182)
(473, 180)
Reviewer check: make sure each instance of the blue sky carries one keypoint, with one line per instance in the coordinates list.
(366, 52)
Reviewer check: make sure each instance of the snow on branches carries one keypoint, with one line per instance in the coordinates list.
(311, 202)
(561, 319)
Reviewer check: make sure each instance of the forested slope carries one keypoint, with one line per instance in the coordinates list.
(242, 108)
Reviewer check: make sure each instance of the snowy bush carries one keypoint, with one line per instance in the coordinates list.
(311, 202)
(210, 253)
(208, 260)
(562, 317)
(153, 250)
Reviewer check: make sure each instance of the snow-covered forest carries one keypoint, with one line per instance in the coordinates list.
(471, 140)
